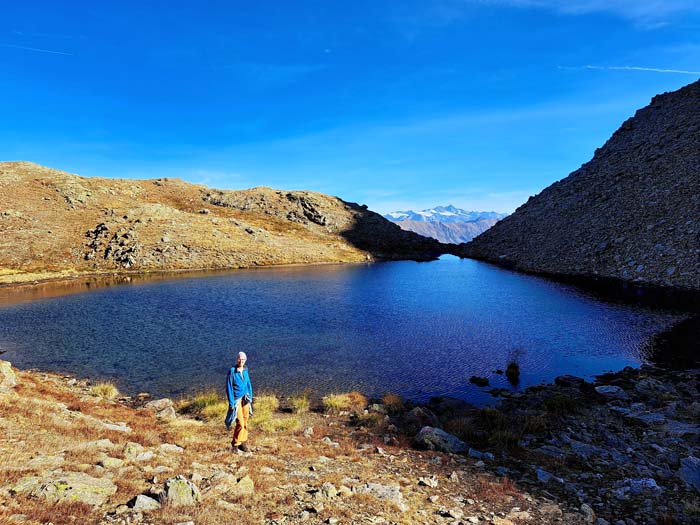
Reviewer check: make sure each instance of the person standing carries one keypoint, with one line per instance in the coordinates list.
(240, 402)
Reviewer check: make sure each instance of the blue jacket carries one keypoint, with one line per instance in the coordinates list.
(236, 388)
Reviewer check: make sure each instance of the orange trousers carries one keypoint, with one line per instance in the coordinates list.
(240, 432)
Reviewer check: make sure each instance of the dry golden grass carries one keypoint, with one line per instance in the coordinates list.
(353, 402)
(300, 403)
(105, 391)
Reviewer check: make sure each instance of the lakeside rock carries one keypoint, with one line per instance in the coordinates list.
(630, 214)
(8, 380)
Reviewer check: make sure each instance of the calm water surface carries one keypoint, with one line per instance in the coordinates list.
(417, 329)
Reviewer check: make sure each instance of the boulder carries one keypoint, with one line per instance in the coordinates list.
(110, 462)
(418, 418)
(690, 472)
(132, 450)
(224, 484)
(179, 492)
(67, 487)
(651, 388)
(144, 503)
(431, 438)
(611, 392)
(163, 408)
(8, 380)
(389, 493)
(167, 413)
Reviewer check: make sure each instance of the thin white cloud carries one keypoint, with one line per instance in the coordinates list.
(634, 68)
(645, 14)
(37, 49)
(648, 13)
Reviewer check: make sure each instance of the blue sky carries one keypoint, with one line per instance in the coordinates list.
(397, 104)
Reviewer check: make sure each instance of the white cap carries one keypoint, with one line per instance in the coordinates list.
(242, 355)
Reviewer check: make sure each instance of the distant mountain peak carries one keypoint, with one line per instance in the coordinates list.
(449, 213)
(446, 223)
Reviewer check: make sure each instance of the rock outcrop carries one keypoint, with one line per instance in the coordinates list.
(8, 380)
(57, 224)
(631, 213)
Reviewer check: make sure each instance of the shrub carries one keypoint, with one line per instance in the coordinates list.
(393, 403)
(504, 440)
(105, 391)
(199, 402)
(300, 404)
(560, 404)
(264, 406)
(353, 401)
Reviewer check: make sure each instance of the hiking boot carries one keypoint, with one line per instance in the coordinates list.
(243, 447)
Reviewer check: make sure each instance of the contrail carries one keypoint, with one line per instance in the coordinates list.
(637, 68)
(38, 50)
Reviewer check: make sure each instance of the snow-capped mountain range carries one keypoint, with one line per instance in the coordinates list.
(443, 214)
(446, 223)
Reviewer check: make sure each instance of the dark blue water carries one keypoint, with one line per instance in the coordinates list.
(416, 329)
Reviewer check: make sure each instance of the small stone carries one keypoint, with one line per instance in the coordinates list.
(117, 427)
(145, 456)
(431, 482)
(169, 448)
(328, 490)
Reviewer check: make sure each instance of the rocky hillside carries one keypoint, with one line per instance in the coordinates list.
(631, 213)
(57, 224)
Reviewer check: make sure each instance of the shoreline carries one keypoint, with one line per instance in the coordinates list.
(612, 448)
(614, 289)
